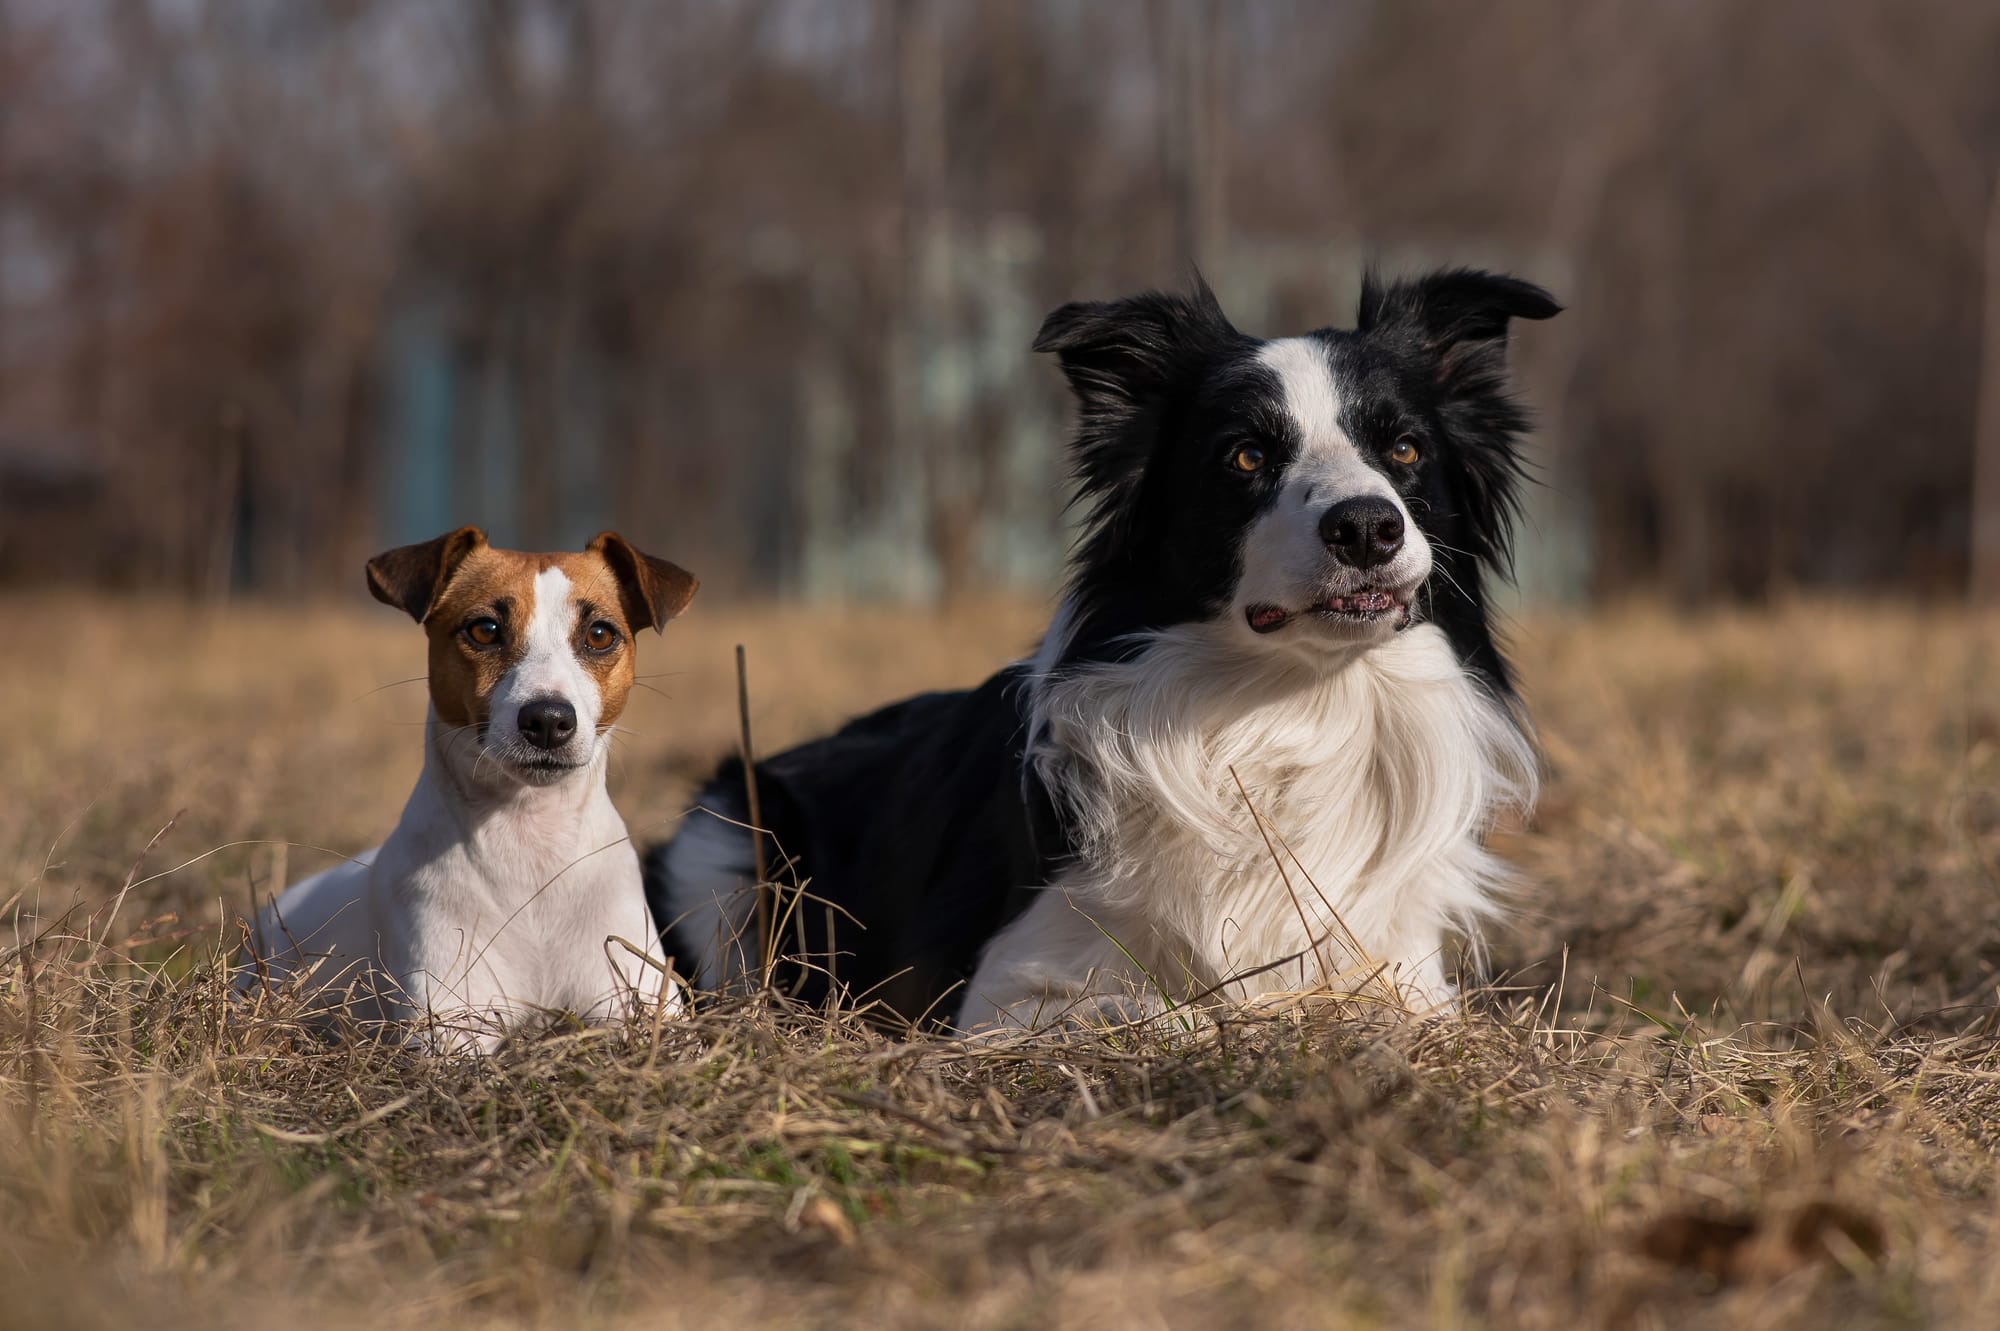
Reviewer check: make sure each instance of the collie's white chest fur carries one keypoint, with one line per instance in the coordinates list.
(1372, 777)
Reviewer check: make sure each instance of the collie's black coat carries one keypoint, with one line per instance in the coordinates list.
(924, 792)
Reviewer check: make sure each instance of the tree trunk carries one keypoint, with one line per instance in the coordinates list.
(925, 482)
(1193, 123)
(1985, 579)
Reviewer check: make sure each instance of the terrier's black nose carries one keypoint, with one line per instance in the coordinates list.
(548, 723)
(1363, 532)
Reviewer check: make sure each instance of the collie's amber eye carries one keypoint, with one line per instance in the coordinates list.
(483, 632)
(1404, 451)
(601, 637)
(1247, 459)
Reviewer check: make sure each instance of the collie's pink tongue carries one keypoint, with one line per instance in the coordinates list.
(1267, 617)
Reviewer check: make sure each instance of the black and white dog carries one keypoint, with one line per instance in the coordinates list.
(1260, 742)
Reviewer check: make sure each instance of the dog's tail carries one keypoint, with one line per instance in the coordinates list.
(701, 887)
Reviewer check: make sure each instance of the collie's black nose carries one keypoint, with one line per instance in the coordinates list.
(548, 723)
(1363, 532)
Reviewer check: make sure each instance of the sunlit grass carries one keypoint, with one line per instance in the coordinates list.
(1753, 979)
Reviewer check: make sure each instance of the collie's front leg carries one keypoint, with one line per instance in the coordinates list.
(1420, 983)
(1057, 965)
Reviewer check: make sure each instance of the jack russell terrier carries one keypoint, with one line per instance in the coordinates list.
(510, 889)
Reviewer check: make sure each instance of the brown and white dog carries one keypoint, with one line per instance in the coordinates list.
(508, 885)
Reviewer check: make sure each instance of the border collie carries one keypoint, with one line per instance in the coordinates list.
(1262, 738)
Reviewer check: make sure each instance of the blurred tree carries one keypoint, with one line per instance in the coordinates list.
(1961, 151)
(756, 279)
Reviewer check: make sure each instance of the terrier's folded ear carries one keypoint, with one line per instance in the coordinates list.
(653, 590)
(413, 577)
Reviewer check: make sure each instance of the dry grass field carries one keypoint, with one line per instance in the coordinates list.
(1737, 1069)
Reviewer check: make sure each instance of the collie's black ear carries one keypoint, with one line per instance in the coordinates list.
(1122, 358)
(1456, 319)
(413, 577)
(1452, 306)
(1126, 348)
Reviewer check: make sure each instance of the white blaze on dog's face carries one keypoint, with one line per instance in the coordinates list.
(1334, 549)
(531, 655)
(549, 712)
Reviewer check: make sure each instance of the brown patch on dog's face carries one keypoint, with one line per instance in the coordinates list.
(611, 660)
(491, 595)
(625, 590)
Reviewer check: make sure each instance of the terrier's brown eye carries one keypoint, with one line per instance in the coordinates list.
(1404, 451)
(483, 632)
(1247, 459)
(601, 637)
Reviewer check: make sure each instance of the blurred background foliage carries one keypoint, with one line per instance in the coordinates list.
(283, 281)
